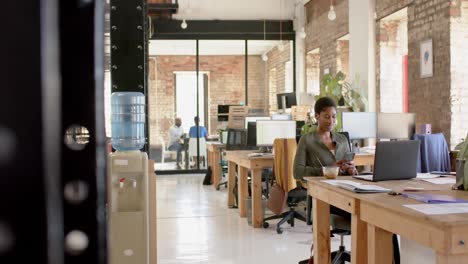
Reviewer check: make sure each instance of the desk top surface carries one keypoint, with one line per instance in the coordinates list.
(395, 203)
(234, 155)
(214, 143)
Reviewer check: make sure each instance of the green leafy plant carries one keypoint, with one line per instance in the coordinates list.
(344, 93)
(351, 94)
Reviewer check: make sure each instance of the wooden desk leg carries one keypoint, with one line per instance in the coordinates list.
(358, 240)
(451, 259)
(210, 163)
(243, 190)
(231, 183)
(216, 173)
(257, 204)
(321, 222)
(380, 246)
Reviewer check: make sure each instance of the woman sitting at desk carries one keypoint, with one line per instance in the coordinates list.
(323, 147)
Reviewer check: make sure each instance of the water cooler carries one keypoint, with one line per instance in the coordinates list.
(128, 182)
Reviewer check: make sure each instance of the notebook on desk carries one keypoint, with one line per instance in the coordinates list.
(394, 160)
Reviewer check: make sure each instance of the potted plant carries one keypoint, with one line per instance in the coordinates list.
(348, 95)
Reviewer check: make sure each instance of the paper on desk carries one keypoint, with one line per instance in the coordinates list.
(355, 186)
(337, 182)
(438, 209)
(441, 180)
(426, 176)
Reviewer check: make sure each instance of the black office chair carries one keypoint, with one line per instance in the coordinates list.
(224, 170)
(294, 197)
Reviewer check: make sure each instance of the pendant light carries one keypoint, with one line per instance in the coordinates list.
(331, 12)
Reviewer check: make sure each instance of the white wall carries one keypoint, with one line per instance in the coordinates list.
(362, 45)
(235, 10)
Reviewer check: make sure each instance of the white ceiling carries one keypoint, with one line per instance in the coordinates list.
(235, 10)
(209, 47)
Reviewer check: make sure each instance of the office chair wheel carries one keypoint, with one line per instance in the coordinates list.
(279, 230)
(217, 188)
(266, 224)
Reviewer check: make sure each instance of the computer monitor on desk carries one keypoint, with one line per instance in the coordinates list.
(269, 130)
(286, 100)
(252, 134)
(255, 118)
(395, 126)
(360, 125)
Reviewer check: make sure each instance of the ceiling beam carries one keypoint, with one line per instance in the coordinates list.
(224, 29)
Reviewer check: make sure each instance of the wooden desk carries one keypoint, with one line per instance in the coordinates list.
(376, 216)
(364, 159)
(255, 164)
(214, 154)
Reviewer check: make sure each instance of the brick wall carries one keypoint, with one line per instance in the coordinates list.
(343, 57)
(323, 33)
(226, 86)
(313, 73)
(393, 46)
(459, 66)
(429, 97)
(275, 70)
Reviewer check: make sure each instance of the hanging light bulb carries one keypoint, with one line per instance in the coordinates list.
(183, 24)
(264, 57)
(331, 13)
(302, 33)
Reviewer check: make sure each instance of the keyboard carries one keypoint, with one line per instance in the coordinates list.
(364, 177)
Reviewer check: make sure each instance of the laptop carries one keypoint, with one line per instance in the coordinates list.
(394, 160)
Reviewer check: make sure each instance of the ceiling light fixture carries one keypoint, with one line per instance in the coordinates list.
(331, 13)
(183, 24)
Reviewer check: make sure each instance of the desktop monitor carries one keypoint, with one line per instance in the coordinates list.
(269, 130)
(236, 139)
(289, 100)
(395, 125)
(252, 134)
(360, 125)
(255, 118)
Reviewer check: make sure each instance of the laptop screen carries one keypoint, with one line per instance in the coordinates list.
(396, 160)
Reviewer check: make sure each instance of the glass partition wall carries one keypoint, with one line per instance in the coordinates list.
(230, 72)
(172, 103)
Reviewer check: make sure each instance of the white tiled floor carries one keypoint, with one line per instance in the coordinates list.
(195, 226)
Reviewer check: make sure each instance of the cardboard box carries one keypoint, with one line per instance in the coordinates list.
(237, 114)
(299, 112)
(236, 122)
(238, 110)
